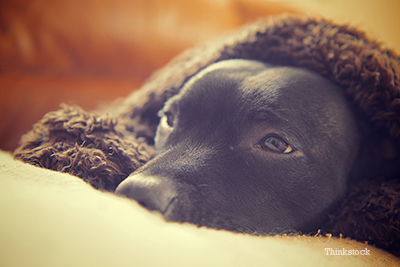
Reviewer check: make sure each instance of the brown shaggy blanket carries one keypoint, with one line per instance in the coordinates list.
(104, 147)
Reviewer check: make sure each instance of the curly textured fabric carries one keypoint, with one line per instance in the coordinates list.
(104, 150)
(370, 213)
(74, 141)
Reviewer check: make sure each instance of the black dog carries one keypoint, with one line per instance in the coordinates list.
(251, 147)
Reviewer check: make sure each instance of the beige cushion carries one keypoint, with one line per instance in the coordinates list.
(55, 219)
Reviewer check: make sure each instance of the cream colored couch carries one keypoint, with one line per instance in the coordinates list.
(55, 219)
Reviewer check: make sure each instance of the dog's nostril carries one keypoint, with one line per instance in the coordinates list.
(150, 192)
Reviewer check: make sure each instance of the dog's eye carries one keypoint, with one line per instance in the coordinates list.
(170, 118)
(276, 144)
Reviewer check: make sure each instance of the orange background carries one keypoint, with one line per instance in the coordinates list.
(89, 52)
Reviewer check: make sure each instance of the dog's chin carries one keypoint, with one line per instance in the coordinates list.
(213, 219)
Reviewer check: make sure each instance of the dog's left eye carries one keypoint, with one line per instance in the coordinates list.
(276, 144)
(170, 118)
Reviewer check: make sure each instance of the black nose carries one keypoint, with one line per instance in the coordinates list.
(151, 192)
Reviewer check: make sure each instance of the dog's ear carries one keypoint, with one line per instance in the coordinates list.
(371, 210)
(390, 156)
(390, 150)
(378, 155)
(74, 141)
(370, 213)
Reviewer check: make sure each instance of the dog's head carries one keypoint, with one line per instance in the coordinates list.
(250, 147)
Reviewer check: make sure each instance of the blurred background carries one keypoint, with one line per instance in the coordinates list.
(90, 52)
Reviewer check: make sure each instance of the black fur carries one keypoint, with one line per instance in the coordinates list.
(250, 147)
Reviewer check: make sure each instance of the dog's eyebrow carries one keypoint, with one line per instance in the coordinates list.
(265, 114)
